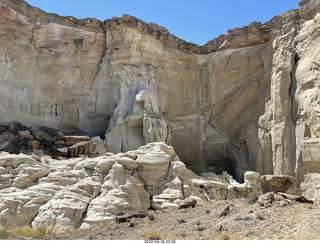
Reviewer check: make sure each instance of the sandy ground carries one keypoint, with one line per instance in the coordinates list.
(245, 220)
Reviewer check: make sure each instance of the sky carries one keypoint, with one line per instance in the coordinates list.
(196, 21)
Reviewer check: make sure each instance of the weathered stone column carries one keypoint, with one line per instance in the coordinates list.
(283, 127)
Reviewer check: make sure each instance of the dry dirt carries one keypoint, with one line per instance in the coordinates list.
(246, 220)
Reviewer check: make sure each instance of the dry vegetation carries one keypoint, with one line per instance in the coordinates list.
(26, 232)
(245, 220)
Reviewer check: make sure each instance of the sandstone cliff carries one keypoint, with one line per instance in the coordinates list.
(247, 100)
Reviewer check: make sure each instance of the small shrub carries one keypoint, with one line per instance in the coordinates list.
(16, 232)
(4, 233)
(23, 231)
(224, 235)
(41, 231)
(19, 233)
(153, 235)
(207, 211)
(52, 231)
(29, 232)
(198, 222)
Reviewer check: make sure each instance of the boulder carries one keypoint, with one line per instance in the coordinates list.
(153, 162)
(216, 190)
(7, 142)
(65, 209)
(252, 180)
(18, 207)
(296, 198)
(121, 191)
(45, 135)
(127, 162)
(188, 203)
(70, 140)
(278, 183)
(81, 148)
(104, 164)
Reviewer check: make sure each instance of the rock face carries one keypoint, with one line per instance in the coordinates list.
(79, 192)
(247, 100)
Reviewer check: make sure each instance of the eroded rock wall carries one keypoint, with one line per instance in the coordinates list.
(247, 100)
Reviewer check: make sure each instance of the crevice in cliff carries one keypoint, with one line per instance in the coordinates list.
(293, 88)
(103, 54)
(33, 42)
(211, 117)
(82, 76)
(202, 143)
(78, 223)
(34, 28)
(83, 215)
(231, 165)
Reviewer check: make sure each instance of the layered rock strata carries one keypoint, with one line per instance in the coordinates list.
(247, 100)
(80, 192)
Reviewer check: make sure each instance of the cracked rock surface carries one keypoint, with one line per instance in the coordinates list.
(80, 192)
